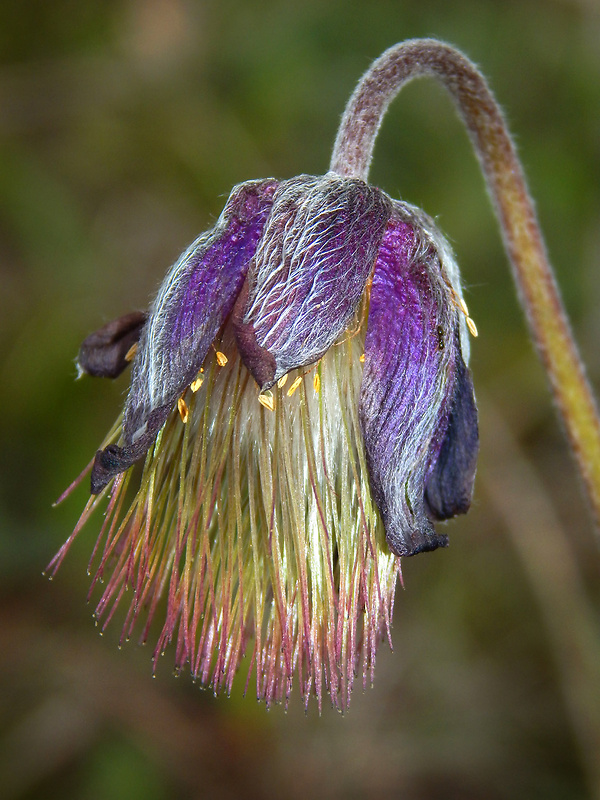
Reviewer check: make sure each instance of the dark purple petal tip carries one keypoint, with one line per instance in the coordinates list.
(449, 487)
(114, 459)
(106, 352)
(315, 255)
(259, 361)
(108, 463)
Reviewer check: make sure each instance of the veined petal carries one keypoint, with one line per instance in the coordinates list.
(194, 301)
(408, 379)
(309, 273)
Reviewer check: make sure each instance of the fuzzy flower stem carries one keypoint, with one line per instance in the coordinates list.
(506, 183)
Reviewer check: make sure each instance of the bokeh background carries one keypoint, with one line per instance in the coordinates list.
(123, 126)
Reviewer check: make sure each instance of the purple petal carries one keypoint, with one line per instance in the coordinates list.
(309, 273)
(450, 484)
(104, 353)
(194, 301)
(408, 380)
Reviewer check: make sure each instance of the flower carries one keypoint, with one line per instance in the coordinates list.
(302, 406)
(300, 396)
(286, 267)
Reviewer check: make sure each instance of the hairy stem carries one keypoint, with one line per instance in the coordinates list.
(506, 183)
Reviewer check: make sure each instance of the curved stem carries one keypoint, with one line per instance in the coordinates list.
(506, 183)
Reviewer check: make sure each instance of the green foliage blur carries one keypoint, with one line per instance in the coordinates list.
(123, 126)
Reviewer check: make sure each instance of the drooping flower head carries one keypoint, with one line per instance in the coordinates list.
(302, 407)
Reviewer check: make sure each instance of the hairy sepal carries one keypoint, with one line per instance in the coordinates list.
(309, 273)
(192, 305)
(408, 379)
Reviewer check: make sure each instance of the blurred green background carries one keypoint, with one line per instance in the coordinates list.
(123, 126)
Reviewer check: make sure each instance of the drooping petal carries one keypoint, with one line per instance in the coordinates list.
(105, 352)
(408, 379)
(309, 273)
(450, 485)
(194, 301)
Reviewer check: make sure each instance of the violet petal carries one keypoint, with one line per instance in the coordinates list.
(193, 303)
(309, 273)
(407, 382)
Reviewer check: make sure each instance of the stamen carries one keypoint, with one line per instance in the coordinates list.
(317, 383)
(267, 400)
(282, 381)
(294, 386)
(183, 410)
(221, 358)
(463, 307)
(197, 383)
(362, 359)
(472, 327)
(129, 355)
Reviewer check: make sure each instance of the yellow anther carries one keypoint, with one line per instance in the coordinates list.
(129, 355)
(183, 410)
(282, 381)
(362, 359)
(317, 383)
(294, 386)
(463, 306)
(472, 327)
(221, 358)
(267, 400)
(196, 384)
